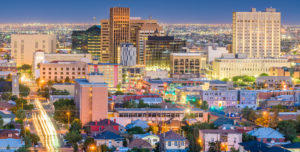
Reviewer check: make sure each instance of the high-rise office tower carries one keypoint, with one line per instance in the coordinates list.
(119, 31)
(105, 45)
(93, 41)
(87, 41)
(257, 34)
(24, 45)
(139, 32)
(158, 50)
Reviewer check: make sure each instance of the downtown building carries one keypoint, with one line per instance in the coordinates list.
(119, 29)
(23, 46)
(62, 70)
(91, 98)
(112, 73)
(256, 33)
(230, 98)
(158, 50)
(231, 65)
(88, 41)
(187, 64)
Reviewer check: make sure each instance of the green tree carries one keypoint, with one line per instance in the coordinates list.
(141, 104)
(1, 122)
(135, 130)
(20, 114)
(125, 142)
(232, 149)
(246, 137)
(263, 74)
(6, 96)
(204, 105)
(25, 67)
(225, 79)
(249, 114)
(62, 107)
(88, 141)
(214, 146)
(288, 128)
(34, 138)
(192, 134)
(74, 136)
(24, 90)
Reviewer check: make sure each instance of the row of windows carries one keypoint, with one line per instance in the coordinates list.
(66, 69)
(176, 143)
(156, 114)
(66, 73)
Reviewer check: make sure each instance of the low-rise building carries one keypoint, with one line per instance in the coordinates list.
(62, 71)
(152, 139)
(293, 72)
(228, 137)
(171, 142)
(232, 65)
(11, 139)
(274, 82)
(267, 135)
(220, 98)
(109, 139)
(140, 144)
(188, 64)
(159, 114)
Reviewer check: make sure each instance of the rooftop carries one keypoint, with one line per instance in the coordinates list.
(85, 81)
(265, 133)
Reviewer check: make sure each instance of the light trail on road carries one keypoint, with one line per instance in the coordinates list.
(45, 128)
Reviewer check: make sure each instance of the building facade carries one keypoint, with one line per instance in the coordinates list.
(188, 63)
(139, 32)
(274, 82)
(94, 41)
(230, 67)
(112, 73)
(42, 57)
(104, 40)
(128, 54)
(24, 45)
(119, 31)
(63, 71)
(220, 98)
(159, 114)
(228, 138)
(158, 50)
(257, 33)
(215, 52)
(91, 98)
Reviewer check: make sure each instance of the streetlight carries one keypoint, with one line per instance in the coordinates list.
(68, 114)
(92, 147)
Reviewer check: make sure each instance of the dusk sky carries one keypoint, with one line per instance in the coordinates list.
(165, 11)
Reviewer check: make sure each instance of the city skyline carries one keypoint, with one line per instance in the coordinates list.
(167, 11)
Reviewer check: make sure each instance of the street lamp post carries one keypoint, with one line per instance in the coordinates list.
(68, 114)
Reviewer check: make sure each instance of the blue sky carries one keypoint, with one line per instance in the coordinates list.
(166, 11)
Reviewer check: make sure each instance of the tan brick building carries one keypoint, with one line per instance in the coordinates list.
(62, 70)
